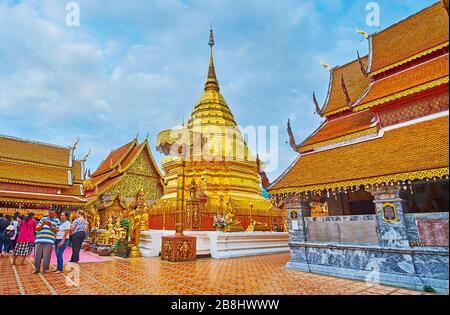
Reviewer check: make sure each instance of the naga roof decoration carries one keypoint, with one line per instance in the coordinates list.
(355, 83)
(373, 162)
(291, 136)
(416, 36)
(316, 104)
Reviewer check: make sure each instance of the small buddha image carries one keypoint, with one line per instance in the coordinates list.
(294, 215)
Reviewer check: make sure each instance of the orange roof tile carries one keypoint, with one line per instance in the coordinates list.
(416, 34)
(426, 72)
(13, 172)
(33, 152)
(115, 157)
(336, 128)
(416, 148)
(355, 82)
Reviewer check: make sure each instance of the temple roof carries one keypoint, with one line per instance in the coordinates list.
(32, 174)
(34, 152)
(416, 151)
(116, 164)
(114, 158)
(340, 129)
(418, 35)
(355, 81)
(415, 79)
(39, 164)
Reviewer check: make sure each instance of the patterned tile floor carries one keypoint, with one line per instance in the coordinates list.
(261, 275)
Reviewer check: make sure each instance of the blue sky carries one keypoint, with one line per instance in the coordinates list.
(140, 65)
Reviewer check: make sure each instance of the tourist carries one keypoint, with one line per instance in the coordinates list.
(3, 242)
(15, 222)
(8, 238)
(62, 240)
(78, 234)
(26, 238)
(45, 240)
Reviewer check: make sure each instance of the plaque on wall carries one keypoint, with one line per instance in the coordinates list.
(389, 211)
(327, 231)
(433, 232)
(355, 232)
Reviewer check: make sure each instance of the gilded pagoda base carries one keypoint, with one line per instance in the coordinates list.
(178, 248)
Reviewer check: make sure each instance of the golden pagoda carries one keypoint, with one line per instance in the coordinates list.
(223, 171)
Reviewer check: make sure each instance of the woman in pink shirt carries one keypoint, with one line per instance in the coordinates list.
(25, 240)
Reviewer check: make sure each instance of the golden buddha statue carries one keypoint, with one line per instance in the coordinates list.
(110, 232)
(255, 226)
(144, 219)
(137, 214)
(232, 223)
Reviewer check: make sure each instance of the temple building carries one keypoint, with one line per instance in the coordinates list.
(368, 195)
(224, 174)
(36, 177)
(119, 179)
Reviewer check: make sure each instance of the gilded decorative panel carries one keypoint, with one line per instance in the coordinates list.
(139, 176)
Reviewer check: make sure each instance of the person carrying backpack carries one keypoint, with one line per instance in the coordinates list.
(4, 224)
(8, 238)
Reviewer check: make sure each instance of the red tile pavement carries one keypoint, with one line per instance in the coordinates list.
(259, 275)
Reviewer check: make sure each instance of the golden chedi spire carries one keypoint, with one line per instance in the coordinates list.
(211, 82)
(224, 162)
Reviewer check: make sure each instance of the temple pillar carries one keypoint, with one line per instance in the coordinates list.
(297, 209)
(390, 206)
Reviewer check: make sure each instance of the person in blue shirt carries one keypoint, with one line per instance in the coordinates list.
(45, 240)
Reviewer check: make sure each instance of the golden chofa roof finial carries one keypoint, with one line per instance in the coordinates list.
(211, 82)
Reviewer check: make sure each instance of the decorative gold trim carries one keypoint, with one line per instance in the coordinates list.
(337, 111)
(416, 56)
(418, 175)
(404, 93)
(4, 180)
(339, 139)
(34, 164)
(44, 202)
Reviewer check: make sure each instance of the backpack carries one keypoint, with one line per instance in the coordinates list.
(9, 234)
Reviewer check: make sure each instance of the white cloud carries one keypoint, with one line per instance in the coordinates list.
(140, 66)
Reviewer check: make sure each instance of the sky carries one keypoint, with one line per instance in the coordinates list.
(140, 65)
